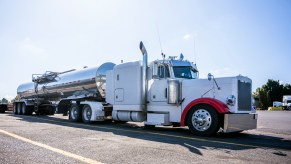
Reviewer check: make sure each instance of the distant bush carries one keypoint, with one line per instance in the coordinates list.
(259, 109)
(275, 108)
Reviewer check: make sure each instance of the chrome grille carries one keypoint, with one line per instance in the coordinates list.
(244, 96)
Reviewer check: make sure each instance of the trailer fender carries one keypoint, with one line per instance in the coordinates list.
(216, 104)
(97, 110)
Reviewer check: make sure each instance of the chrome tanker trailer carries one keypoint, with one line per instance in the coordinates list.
(54, 90)
(164, 92)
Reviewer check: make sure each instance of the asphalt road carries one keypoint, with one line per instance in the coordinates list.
(53, 139)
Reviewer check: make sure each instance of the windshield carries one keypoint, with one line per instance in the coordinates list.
(185, 72)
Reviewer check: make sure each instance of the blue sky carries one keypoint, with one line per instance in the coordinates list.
(232, 37)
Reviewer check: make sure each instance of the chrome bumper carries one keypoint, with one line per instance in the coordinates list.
(239, 122)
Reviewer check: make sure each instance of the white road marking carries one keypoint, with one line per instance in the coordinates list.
(65, 153)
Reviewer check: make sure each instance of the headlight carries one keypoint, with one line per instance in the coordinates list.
(230, 100)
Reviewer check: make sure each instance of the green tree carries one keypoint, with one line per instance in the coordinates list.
(287, 89)
(15, 99)
(4, 100)
(263, 98)
(272, 91)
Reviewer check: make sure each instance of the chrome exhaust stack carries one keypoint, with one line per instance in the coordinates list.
(144, 74)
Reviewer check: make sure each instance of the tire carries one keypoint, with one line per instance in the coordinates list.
(24, 109)
(15, 108)
(19, 110)
(86, 114)
(75, 114)
(203, 120)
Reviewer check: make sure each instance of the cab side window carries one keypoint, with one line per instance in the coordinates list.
(163, 71)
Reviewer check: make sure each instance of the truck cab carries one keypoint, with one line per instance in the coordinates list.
(175, 95)
(286, 103)
(178, 97)
(165, 96)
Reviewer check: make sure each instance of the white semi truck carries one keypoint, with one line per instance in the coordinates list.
(286, 102)
(165, 92)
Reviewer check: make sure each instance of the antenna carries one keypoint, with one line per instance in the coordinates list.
(194, 50)
(163, 55)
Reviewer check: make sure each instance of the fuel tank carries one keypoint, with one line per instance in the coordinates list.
(72, 84)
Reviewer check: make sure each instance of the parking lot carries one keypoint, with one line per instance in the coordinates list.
(54, 139)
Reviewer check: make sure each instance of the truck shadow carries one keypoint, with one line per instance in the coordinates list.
(176, 136)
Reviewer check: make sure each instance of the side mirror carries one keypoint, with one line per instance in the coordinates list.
(209, 76)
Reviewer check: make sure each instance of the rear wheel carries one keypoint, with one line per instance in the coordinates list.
(86, 114)
(15, 108)
(19, 110)
(23, 109)
(203, 120)
(75, 113)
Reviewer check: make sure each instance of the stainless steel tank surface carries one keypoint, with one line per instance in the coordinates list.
(90, 80)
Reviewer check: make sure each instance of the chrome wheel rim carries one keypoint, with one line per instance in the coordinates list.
(201, 120)
(23, 108)
(74, 113)
(19, 108)
(87, 113)
(15, 109)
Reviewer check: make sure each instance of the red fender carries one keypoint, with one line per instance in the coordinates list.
(216, 104)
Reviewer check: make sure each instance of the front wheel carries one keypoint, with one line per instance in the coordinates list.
(203, 120)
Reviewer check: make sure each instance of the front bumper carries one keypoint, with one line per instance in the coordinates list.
(239, 122)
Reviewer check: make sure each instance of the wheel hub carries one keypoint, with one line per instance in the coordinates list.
(74, 113)
(201, 120)
(87, 113)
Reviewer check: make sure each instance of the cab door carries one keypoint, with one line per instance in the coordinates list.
(158, 91)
